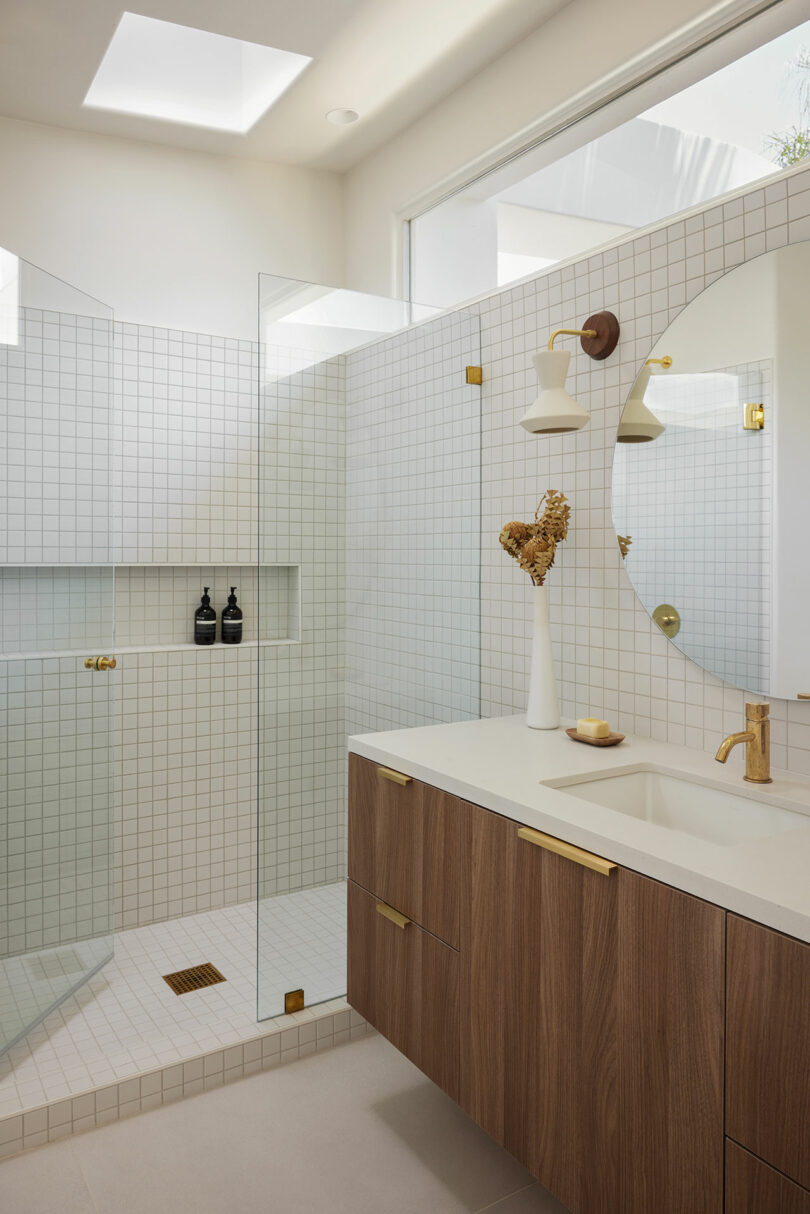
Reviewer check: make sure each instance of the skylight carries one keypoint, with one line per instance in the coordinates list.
(9, 299)
(157, 69)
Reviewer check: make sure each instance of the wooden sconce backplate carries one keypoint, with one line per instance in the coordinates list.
(607, 335)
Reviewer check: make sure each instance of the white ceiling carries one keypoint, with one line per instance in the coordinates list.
(390, 60)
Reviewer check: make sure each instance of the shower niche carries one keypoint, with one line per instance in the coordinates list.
(57, 611)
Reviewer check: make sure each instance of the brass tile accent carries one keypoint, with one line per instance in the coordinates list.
(294, 1001)
(475, 375)
(194, 979)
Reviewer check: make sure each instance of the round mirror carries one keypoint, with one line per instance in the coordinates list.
(711, 477)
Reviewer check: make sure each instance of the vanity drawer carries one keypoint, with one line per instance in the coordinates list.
(768, 1046)
(405, 983)
(752, 1187)
(404, 840)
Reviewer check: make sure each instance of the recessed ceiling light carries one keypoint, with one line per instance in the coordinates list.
(342, 117)
(157, 69)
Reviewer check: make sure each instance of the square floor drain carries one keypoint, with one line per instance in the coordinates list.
(194, 979)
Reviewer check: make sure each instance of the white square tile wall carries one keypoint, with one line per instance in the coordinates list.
(56, 422)
(186, 782)
(611, 660)
(413, 527)
(302, 520)
(56, 735)
(188, 451)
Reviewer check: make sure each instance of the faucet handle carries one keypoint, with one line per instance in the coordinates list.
(757, 712)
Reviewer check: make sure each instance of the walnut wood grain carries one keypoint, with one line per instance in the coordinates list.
(487, 987)
(768, 1055)
(752, 1187)
(405, 983)
(670, 1032)
(592, 1026)
(404, 847)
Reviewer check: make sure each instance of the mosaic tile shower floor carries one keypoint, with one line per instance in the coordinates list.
(126, 1021)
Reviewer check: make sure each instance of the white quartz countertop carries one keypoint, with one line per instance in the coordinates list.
(500, 764)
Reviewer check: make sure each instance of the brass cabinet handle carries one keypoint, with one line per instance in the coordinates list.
(100, 663)
(396, 777)
(803, 695)
(567, 851)
(388, 912)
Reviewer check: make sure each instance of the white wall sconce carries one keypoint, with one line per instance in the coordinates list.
(638, 423)
(554, 411)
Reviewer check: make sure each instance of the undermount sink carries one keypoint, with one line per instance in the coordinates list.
(678, 802)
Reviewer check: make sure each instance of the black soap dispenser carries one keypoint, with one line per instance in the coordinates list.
(205, 621)
(232, 621)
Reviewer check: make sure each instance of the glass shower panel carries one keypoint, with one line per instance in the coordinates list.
(56, 612)
(369, 450)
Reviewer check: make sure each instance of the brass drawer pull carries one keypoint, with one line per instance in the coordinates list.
(567, 851)
(388, 912)
(396, 777)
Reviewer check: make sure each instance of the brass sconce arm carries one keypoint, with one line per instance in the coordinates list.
(666, 361)
(571, 333)
(598, 336)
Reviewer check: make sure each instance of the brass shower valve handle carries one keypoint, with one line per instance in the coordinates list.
(101, 663)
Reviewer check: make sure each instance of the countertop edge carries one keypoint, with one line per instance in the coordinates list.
(734, 898)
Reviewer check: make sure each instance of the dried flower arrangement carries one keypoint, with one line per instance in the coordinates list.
(533, 545)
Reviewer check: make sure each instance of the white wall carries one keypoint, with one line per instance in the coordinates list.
(548, 234)
(458, 252)
(165, 236)
(570, 56)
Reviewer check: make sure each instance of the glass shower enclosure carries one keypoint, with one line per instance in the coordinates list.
(369, 555)
(56, 632)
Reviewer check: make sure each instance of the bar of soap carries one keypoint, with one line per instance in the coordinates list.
(592, 727)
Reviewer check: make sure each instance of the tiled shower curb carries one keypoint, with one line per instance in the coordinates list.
(290, 1038)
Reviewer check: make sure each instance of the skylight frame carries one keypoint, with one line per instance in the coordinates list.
(167, 72)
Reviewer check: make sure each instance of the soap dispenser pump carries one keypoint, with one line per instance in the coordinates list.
(205, 621)
(232, 621)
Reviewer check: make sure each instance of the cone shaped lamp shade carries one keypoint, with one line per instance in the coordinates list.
(553, 411)
(638, 423)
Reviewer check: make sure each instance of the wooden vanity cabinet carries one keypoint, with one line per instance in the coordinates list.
(404, 845)
(403, 914)
(405, 982)
(752, 1187)
(768, 1050)
(577, 1015)
(592, 1026)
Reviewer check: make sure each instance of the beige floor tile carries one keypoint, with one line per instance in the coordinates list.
(48, 1180)
(534, 1200)
(357, 1130)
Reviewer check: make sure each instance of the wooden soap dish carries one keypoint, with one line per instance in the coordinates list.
(613, 739)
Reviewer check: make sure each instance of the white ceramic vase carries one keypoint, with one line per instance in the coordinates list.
(542, 711)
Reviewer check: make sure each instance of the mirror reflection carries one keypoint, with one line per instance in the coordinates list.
(711, 477)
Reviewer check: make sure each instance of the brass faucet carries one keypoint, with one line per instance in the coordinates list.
(757, 738)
